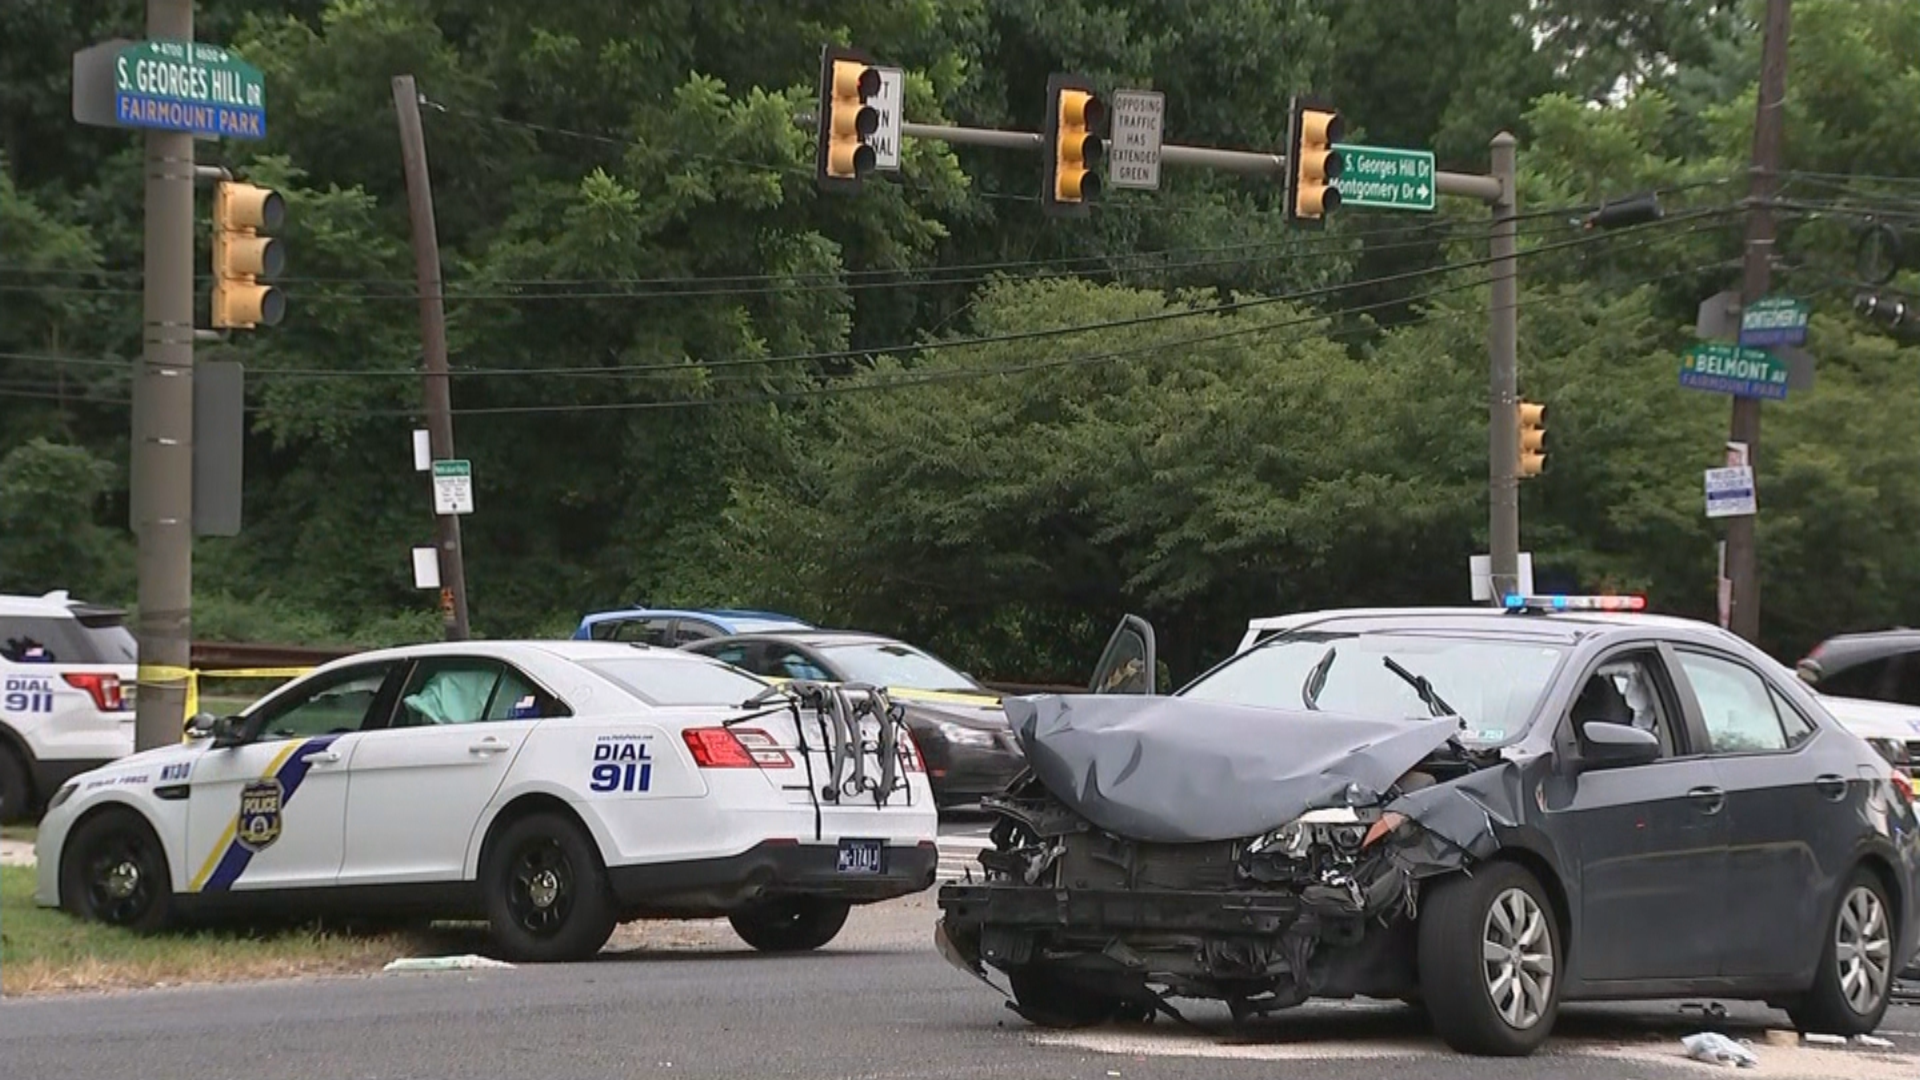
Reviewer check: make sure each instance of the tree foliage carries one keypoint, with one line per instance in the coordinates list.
(685, 375)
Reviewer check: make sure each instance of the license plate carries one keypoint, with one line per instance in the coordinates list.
(861, 857)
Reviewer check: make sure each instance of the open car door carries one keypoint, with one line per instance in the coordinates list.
(1129, 663)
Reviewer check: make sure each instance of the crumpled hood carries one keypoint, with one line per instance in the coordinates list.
(1176, 770)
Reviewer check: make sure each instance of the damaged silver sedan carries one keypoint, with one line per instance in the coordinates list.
(1482, 812)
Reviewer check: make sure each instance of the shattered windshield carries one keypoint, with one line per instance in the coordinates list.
(1493, 685)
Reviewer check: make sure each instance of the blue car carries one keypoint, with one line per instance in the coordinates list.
(674, 627)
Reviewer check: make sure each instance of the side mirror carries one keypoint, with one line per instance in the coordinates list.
(1606, 745)
(201, 725)
(226, 732)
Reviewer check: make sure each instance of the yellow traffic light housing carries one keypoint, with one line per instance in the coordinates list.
(1076, 121)
(843, 156)
(1533, 439)
(242, 258)
(1312, 162)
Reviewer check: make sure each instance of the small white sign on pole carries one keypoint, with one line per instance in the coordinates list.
(1480, 568)
(1730, 492)
(422, 452)
(426, 568)
(889, 103)
(1133, 150)
(453, 487)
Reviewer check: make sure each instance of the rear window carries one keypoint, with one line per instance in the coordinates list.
(94, 637)
(671, 681)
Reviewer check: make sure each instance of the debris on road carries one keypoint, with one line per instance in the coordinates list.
(1874, 1041)
(469, 962)
(1715, 1048)
(1824, 1040)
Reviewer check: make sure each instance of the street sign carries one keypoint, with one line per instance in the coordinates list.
(1775, 320)
(1139, 117)
(889, 104)
(1730, 492)
(453, 487)
(1386, 178)
(181, 86)
(1731, 369)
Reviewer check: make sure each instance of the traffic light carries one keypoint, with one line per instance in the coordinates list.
(1533, 440)
(242, 258)
(842, 155)
(1312, 162)
(1076, 120)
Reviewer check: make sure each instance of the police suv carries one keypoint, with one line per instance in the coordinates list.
(553, 788)
(66, 695)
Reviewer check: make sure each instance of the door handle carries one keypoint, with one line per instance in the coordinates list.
(1708, 799)
(487, 746)
(322, 757)
(1831, 787)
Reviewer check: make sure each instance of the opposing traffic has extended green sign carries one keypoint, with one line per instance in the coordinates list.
(189, 87)
(1731, 369)
(1385, 178)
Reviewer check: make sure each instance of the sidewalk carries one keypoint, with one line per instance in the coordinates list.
(16, 853)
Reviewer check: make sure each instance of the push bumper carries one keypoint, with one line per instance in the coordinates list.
(709, 887)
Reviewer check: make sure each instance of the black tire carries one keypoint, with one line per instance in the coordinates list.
(113, 870)
(17, 800)
(1050, 1000)
(546, 892)
(1466, 995)
(1829, 1008)
(790, 923)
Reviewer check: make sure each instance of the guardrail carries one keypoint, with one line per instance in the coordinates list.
(211, 657)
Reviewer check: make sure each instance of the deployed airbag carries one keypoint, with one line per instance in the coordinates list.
(1175, 770)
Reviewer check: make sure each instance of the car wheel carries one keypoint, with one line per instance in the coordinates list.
(790, 924)
(1052, 1001)
(547, 896)
(114, 871)
(16, 787)
(1488, 957)
(1855, 981)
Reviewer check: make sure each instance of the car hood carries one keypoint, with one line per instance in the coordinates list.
(1175, 770)
(981, 717)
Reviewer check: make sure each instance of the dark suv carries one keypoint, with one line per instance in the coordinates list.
(1881, 665)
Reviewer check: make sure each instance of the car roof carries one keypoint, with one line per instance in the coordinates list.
(56, 605)
(1845, 650)
(1568, 626)
(573, 649)
(698, 613)
(813, 635)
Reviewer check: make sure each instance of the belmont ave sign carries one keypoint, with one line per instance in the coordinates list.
(178, 86)
(1731, 369)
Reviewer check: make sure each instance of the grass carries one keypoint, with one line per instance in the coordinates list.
(44, 951)
(17, 832)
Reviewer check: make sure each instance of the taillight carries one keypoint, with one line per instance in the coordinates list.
(910, 753)
(1903, 784)
(104, 689)
(735, 748)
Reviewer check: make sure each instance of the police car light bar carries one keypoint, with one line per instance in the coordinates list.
(1563, 602)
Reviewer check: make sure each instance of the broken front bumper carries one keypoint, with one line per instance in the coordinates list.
(971, 908)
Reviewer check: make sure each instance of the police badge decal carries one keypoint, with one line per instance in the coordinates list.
(259, 823)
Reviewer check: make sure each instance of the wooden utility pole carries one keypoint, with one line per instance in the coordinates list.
(433, 339)
(1756, 278)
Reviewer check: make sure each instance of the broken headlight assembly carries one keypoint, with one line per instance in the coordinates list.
(1342, 830)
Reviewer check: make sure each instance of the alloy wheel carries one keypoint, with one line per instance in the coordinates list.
(540, 889)
(1517, 958)
(1863, 947)
(117, 885)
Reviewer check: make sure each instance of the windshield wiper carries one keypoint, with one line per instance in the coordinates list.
(1421, 686)
(1317, 679)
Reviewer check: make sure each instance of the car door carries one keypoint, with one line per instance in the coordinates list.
(1129, 664)
(1793, 818)
(270, 812)
(1651, 838)
(417, 788)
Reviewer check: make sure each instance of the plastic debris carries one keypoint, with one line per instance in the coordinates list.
(1716, 1049)
(1874, 1041)
(1824, 1040)
(468, 962)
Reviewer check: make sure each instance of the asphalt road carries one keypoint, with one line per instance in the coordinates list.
(688, 1000)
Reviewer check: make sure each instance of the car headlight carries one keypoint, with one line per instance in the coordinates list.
(66, 792)
(964, 736)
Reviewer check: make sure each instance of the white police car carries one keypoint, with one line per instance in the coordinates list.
(553, 788)
(66, 695)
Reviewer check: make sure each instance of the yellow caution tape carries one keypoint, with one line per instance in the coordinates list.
(161, 674)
